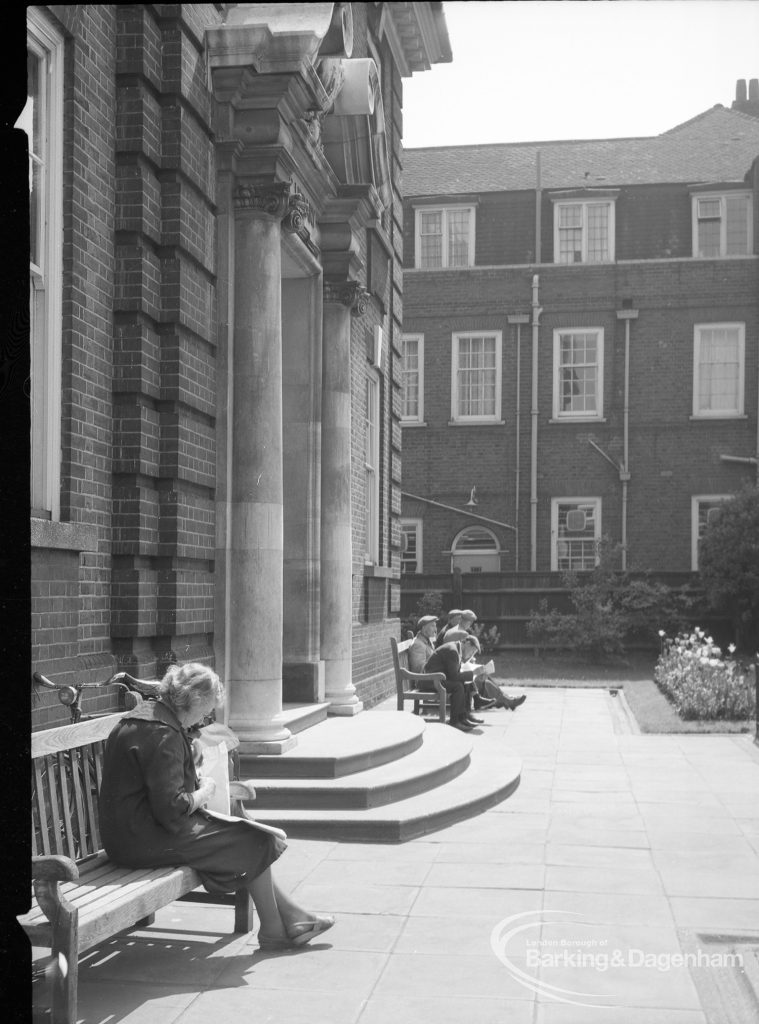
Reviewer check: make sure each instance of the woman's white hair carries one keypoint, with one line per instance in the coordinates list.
(186, 686)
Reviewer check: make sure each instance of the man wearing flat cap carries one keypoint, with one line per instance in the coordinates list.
(424, 643)
(451, 622)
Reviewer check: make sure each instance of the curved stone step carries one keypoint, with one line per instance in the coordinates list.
(443, 755)
(491, 776)
(339, 746)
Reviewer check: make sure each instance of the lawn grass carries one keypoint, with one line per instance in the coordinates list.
(653, 711)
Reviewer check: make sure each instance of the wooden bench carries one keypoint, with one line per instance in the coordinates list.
(407, 683)
(80, 897)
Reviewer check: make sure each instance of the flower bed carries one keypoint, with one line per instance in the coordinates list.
(701, 682)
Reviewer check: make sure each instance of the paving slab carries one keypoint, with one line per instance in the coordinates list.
(613, 841)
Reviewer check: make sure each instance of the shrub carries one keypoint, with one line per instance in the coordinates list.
(430, 603)
(729, 565)
(701, 683)
(611, 609)
(489, 637)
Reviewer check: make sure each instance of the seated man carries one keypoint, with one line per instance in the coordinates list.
(490, 693)
(424, 643)
(451, 622)
(449, 659)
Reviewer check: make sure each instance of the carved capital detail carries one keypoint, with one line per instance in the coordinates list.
(271, 198)
(348, 293)
(298, 211)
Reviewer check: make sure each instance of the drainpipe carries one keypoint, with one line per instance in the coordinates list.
(536, 311)
(518, 319)
(538, 211)
(624, 471)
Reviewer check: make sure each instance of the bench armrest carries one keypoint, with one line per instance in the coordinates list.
(47, 873)
(423, 677)
(54, 868)
(241, 790)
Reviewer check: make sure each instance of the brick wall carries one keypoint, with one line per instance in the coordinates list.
(671, 455)
(164, 436)
(125, 577)
(376, 600)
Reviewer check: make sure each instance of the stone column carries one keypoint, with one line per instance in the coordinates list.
(336, 536)
(254, 670)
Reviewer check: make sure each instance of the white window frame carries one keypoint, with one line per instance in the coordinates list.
(695, 533)
(560, 204)
(46, 279)
(372, 468)
(445, 255)
(581, 416)
(712, 414)
(419, 416)
(456, 337)
(414, 526)
(555, 505)
(722, 197)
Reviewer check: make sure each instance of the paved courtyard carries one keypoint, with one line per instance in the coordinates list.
(633, 860)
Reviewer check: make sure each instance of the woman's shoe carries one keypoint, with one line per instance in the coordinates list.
(303, 931)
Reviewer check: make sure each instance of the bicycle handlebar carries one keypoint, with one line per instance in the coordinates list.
(135, 690)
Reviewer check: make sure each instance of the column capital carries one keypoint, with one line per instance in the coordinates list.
(268, 197)
(351, 294)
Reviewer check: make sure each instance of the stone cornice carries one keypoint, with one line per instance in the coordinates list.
(275, 38)
(417, 35)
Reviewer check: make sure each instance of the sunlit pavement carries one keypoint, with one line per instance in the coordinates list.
(633, 861)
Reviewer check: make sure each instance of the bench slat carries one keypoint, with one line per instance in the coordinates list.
(41, 839)
(65, 808)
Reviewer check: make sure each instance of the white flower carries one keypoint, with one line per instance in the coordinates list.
(731, 648)
(661, 632)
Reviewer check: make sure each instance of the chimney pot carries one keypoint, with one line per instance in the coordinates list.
(753, 90)
(740, 90)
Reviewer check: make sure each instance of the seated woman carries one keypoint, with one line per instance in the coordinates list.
(152, 809)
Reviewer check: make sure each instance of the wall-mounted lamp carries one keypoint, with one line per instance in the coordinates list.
(472, 498)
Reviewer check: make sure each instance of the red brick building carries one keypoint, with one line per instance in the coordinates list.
(581, 335)
(216, 239)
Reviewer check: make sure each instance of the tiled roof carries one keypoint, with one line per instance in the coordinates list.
(719, 145)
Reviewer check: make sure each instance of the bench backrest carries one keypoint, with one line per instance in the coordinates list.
(67, 765)
(400, 654)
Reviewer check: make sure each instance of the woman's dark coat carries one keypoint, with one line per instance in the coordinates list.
(145, 801)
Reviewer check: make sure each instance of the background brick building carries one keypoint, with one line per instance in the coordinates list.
(149, 160)
(581, 345)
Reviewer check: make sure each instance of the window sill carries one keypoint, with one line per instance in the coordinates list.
(705, 418)
(413, 423)
(476, 423)
(63, 536)
(579, 419)
(383, 572)
(443, 270)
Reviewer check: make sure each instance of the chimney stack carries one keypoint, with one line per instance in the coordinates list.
(747, 101)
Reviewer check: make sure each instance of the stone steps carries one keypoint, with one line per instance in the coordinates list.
(443, 754)
(338, 746)
(381, 776)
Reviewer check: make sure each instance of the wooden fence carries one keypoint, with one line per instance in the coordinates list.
(506, 599)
